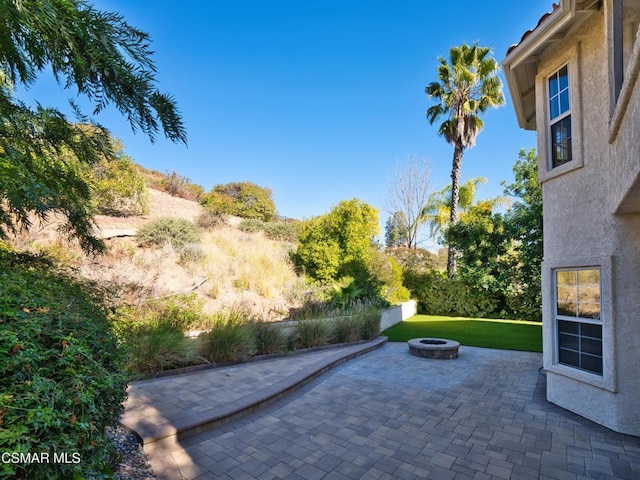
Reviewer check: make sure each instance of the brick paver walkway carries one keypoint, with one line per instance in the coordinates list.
(388, 414)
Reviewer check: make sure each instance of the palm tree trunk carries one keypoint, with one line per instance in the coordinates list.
(456, 168)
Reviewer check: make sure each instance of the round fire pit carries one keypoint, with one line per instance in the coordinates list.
(440, 348)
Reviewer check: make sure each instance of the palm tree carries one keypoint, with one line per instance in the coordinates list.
(437, 212)
(467, 86)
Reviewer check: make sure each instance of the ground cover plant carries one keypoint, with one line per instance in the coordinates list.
(476, 332)
(61, 374)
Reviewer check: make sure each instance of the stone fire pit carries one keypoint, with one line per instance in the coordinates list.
(440, 348)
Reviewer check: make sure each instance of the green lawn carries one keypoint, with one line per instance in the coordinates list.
(476, 332)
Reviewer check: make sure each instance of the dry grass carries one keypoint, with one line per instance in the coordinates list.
(249, 266)
(242, 270)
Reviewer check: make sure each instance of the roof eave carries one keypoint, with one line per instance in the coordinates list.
(527, 52)
(551, 28)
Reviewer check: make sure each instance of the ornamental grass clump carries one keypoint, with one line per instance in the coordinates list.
(230, 338)
(370, 322)
(269, 338)
(312, 333)
(154, 333)
(347, 329)
(160, 346)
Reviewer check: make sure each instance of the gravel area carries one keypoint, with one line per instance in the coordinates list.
(133, 464)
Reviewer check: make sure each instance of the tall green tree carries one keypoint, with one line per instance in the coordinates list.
(106, 61)
(501, 254)
(525, 227)
(396, 230)
(338, 249)
(468, 85)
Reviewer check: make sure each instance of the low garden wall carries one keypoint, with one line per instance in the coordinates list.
(397, 314)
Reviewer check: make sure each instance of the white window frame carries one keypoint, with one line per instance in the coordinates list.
(576, 318)
(608, 379)
(571, 58)
(561, 115)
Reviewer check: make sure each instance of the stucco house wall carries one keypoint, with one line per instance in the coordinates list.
(584, 226)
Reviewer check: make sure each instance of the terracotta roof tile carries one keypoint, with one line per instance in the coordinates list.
(528, 32)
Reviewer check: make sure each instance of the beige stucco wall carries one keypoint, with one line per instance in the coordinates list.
(581, 229)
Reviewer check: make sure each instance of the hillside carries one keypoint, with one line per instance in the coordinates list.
(228, 269)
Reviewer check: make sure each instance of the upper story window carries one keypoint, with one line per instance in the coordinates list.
(560, 117)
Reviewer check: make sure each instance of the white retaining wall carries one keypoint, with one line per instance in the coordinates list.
(397, 314)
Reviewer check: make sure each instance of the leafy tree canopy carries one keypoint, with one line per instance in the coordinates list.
(338, 243)
(396, 230)
(338, 249)
(101, 57)
(242, 199)
(501, 254)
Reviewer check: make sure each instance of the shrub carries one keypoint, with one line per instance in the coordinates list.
(154, 333)
(370, 322)
(282, 231)
(347, 329)
(119, 187)
(157, 347)
(386, 274)
(312, 333)
(251, 225)
(180, 313)
(208, 221)
(438, 295)
(243, 199)
(174, 183)
(314, 308)
(191, 254)
(269, 338)
(230, 338)
(61, 380)
(174, 231)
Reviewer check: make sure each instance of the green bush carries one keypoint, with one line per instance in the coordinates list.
(157, 347)
(154, 333)
(438, 295)
(347, 329)
(269, 338)
(251, 225)
(230, 338)
(312, 333)
(61, 380)
(369, 317)
(280, 231)
(242, 199)
(314, 308)
(174, 231)
(119, 187)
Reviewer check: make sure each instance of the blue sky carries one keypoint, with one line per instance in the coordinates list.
(317, 100)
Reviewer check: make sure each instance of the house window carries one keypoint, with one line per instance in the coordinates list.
(560, 117)
(626, 19)
(578, 320)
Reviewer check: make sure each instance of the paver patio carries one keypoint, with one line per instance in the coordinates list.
(389, 414)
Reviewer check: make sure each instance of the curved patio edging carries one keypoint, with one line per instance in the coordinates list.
(154, 435)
